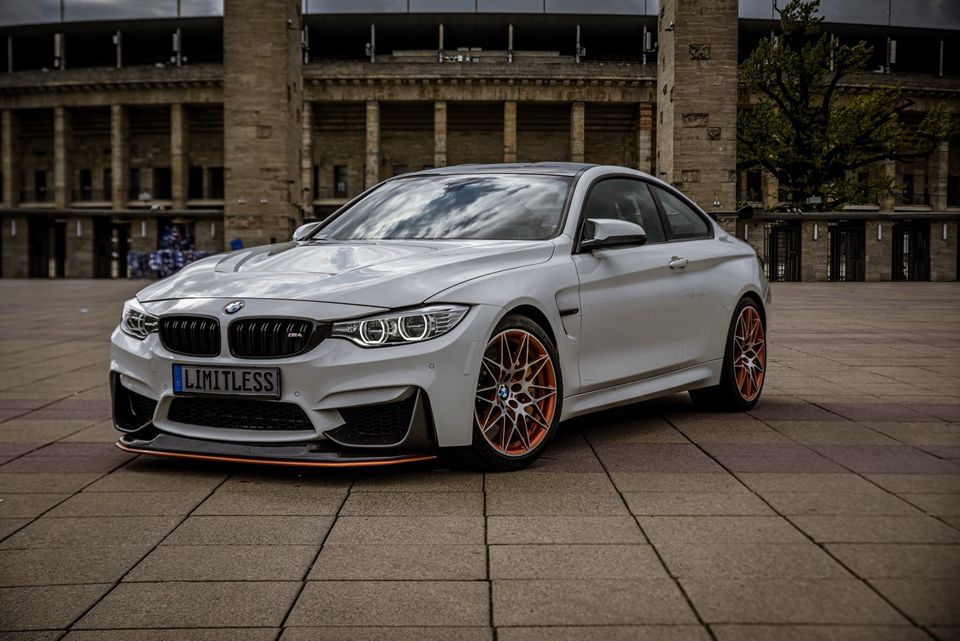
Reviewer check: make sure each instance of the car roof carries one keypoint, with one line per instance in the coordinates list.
(547, 168)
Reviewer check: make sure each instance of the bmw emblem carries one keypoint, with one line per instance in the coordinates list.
(233, 307)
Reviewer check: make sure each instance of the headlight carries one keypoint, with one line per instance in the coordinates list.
(135, 321)
(402, 327)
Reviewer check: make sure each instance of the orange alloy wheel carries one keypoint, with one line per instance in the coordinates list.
(749, 353)
(517, 393)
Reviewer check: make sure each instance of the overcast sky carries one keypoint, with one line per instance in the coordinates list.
(912, 13)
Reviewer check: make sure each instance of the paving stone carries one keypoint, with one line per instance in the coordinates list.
(764, 482)
(224, 563)
(719, 529)
(49, 532)
(917, 483)
(66, 566)
(936, 504)
(407, 529)
(927, 601)
(286, 480)
(9, 526)
(605, 633)
(562, 529)
(770, 457)
(589, 602)
(822, 601)
(392, 603)
(128, 504)
(887, 459)
(652, 482)
(51, 482)
(400, 562)
(195, 634)
(703, 503)
(575, 562)
(35, 635)
(420, 481)
(332, 633)
(555, 504)
(760, 560)
(831, 433)
(656, 457)
(250, 530)
(28, 506)
(413, 504)
(727, 632)
(36, 464)
(153, 475)
(49, 606)
(272, 501)
(876, 529)
(899, 560)
(194, 604)
(874, 503)
(532, 481)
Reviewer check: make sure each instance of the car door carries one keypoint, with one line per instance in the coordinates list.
(635, 307)
(691, 238)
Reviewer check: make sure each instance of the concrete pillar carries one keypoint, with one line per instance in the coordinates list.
(888, 170)
(943, 251)
(440, 133)
(119, 156)
(576, 131)
(938, 177)
(510, 131)
(306, 160)
(178, 155)
(8, 164)
(262, 111)
(697, 99)
(814, 253)
(878, 257)
(645, 137)
(61, 158)
(372, 173)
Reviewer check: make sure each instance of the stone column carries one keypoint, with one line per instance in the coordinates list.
(440, 133)
(576, 131)
(770, 187)
(697, 99)
(943, 251)
(645, 137)
(262, 132)
(878, 248)
(178, 155)
(119, 156)
(938, 177)
(510, 131)
(8, 164)
(306, 160)
(372, 174)
(888, 170)
(61, 158)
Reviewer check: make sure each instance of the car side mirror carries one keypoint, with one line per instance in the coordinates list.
(611, 232)
(305, 230)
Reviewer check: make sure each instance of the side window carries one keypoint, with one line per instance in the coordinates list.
(628, 200)
(682, 221)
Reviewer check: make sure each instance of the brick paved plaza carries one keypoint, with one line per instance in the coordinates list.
(832, 511)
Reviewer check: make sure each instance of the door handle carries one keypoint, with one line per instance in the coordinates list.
(677, 262)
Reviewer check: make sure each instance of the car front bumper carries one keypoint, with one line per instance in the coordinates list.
(435, 380)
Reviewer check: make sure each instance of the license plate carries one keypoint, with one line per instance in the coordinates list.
(230, 381)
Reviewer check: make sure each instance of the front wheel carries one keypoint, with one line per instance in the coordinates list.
(518, 399)
(744, 363)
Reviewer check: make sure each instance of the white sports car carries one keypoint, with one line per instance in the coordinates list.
(464, 310)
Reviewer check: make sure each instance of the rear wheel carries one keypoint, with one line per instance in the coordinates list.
(518, 398)
(744, 363)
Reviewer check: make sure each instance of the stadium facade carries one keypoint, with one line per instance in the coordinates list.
(123, 137)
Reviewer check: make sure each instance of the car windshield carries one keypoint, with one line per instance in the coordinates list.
(471, 206)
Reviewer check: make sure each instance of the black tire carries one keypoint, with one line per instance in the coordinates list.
(729, 395)
(481, 454)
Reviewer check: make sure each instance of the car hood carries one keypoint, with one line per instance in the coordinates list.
(381, 274)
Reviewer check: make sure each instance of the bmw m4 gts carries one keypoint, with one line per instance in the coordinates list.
(466, 310)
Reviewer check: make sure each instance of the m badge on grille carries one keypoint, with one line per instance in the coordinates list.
(233, 307)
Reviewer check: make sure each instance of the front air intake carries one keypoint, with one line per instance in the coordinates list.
(190, 335)
(274, 337)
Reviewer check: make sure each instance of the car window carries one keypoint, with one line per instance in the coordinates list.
(682, 221)
(625, 199)
(478, 206)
